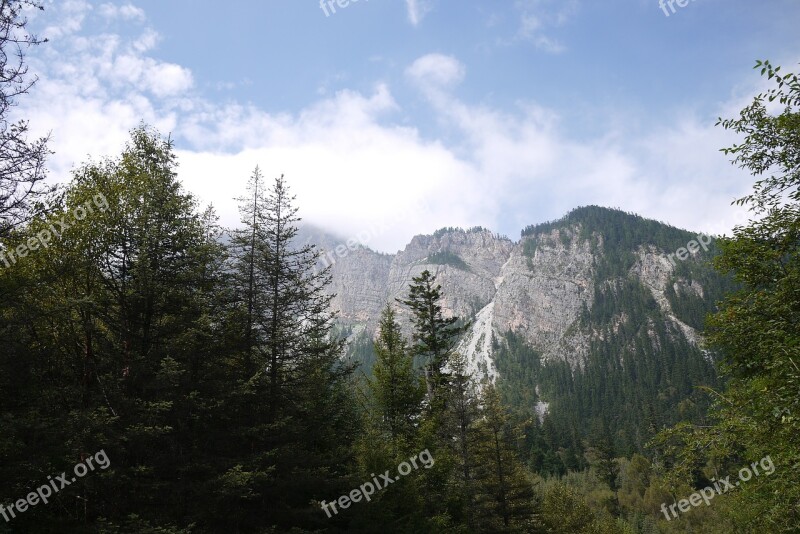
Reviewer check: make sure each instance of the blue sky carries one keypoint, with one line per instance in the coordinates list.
(430, 113)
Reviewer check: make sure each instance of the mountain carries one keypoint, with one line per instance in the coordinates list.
(587, 318)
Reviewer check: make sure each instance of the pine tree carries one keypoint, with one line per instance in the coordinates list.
(148, 330)
(462, 403)
(392, 418)
(247, 244)
(504, 491)
(434, 340)
(117, 338)
(296, 416)
(434, 336)
(396, 387)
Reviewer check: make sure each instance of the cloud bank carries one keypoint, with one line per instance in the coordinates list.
(353, 159)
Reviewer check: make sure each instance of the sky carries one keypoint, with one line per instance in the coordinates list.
(391, 118)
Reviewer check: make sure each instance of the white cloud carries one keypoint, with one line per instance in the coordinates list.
(538, 18)
(530, 30)
(675, 173)
(352, 160)
(124, 12)
(73, 14)
(166, 79)
(436, 71)
(417, 9)
(146, 41)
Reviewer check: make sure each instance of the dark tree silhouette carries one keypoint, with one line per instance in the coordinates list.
(22, 162)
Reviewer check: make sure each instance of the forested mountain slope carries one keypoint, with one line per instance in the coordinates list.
(587, 318)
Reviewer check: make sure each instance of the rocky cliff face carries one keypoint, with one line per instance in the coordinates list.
(547, 281)
(537, 287)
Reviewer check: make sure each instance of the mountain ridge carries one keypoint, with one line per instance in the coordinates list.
(589, 301)
(474, 266)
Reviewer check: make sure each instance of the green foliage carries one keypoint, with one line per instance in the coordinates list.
(529, 247)
(125, 334)
(520, 366)
(396, 388)
(450, 229)
(564, 511)
(756, 328)
(446, 257)
(696, 288)
(640, 375)
(434, 337)
(361, 353)
(112, 342)
(504, 492)
(289, 376)
(771, 141)
(477, 483)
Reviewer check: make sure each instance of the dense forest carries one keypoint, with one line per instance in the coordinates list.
(162, 374)
(640, 374)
